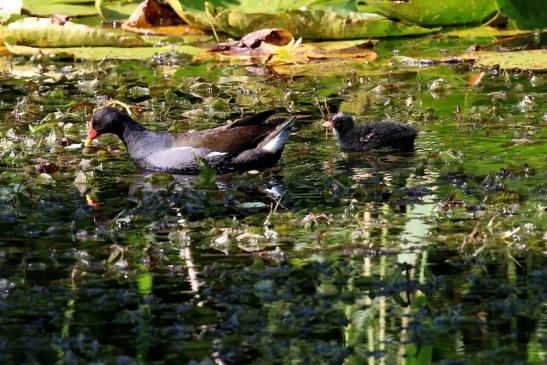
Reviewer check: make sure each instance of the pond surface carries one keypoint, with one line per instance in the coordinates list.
(436, 256)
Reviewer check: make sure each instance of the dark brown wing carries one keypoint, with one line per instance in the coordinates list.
(234, 139)
(251, 119)
(240, 135)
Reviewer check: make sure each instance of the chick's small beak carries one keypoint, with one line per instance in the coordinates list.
(91, 135)
(327, 124)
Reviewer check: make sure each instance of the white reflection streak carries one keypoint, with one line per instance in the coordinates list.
(186, 255)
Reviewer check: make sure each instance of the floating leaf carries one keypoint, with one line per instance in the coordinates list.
(47, 167)
(277, 47)
(207, 175)
(434, 12)
(308, 23)
(528, 14)
(116, 10)
(524, 60)
(506, 197)
(80, 181)
(150, 17)
(159, 179)
(44, 178)
(145, 283)
(65, 7)
(100, 53)
(485, 32)
(266, 6)
(46, 32)
(475, 78)
(335, 67)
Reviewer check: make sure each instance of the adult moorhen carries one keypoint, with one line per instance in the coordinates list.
(369, 136)
(251, 142)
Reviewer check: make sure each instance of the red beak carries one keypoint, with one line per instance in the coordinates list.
(327, 124)
(91, 134)
(91, 202)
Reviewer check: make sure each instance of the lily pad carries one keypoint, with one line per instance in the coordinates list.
(434, 12)
(266, 6)
(278, 47)
(523, 60)
(65, 7)
(116, 10)
(46, 32)
(100, 53)
(485, 32)
(151, 17)
(310, 24)
(528, 14)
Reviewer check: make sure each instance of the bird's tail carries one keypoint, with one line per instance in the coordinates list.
(275, 141)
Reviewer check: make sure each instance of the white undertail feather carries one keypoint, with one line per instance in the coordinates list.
(276, 143)
(216, 154)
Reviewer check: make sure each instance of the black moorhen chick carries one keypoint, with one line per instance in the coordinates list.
(251, 142)
(370, 136)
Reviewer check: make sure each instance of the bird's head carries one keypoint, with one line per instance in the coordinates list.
(341, 122)
(106, 120)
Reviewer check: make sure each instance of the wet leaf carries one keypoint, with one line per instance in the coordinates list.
(65, 7)
(506, 197)
(475, 78)
(116, 10)
(207, 175)
(254, 6)
(81, 181)
(433, 12)
(150, 17)
(44, 178)
(101, 53)
(528, 14)
(485, 32)
(46, 32)
(309, 23)
(145, 282)
(524, 60)
(275, 47)
(159, 179)
(47, 167)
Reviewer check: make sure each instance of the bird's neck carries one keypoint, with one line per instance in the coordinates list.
(130, 132)
(344, 131)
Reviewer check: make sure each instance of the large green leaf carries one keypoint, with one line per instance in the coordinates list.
(45, 32)
(65, 7)
(269, 6)
(311, 24)
(435, 12)
(312, 19)
(116, 10)
(99, 53)
(517, 60)
(528, 14)
(484, 32)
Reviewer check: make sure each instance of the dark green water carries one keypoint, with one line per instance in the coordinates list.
(362, 261)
